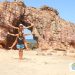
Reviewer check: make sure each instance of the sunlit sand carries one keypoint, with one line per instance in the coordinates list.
(33, 64)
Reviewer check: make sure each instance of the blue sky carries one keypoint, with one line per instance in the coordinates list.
(65, 8)
(26, 31)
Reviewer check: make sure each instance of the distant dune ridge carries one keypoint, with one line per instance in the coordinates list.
(50, 30)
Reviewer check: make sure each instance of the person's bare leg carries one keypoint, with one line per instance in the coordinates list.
(13, 44)
(25, 43)
(20, 54)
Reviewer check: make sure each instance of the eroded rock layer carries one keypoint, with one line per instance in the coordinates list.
(50, 30)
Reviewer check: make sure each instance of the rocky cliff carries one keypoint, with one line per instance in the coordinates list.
(50, 30)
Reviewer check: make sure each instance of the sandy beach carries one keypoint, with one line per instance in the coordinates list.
(33, 64)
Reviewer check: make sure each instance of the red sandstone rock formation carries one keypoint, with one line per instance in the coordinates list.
(49, 29)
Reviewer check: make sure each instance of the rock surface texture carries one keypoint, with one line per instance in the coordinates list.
(50, 30)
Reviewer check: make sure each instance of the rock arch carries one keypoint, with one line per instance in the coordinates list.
(49, 29)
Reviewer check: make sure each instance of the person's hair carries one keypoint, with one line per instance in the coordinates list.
(20, 32)
(20, 25)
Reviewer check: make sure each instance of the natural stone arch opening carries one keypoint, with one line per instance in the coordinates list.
(41, 18)
(16, 22)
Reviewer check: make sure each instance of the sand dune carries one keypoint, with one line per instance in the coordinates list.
(33, 64)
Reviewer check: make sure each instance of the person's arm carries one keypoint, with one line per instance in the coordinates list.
(13, 27)
(12, 34)
(29, 26)
(13, 44)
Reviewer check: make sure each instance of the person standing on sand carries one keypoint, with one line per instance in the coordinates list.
(20, 42)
